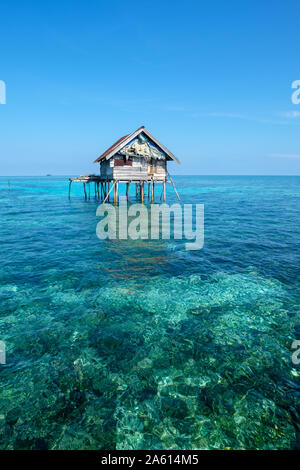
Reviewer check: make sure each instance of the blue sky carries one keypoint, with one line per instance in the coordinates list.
(211, 80)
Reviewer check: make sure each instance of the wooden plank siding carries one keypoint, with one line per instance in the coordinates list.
(137, 168)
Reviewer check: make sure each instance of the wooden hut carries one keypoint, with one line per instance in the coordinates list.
(137, 158)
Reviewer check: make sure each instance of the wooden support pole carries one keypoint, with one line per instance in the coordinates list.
(164, 191)
(142, 192)
(113, 186)
(95, 184)
(148, 190)
(174, 186)
(84, 188)
(108, 189)
(89, 191)
(152, 191)
(70, 189)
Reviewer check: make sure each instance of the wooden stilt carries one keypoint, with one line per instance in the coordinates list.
(174, 186)
(98, 190)
(164, 191)
(70, 189)
(89, 191)
(84, 188)
(142, 192)
(152, 191)
(113, 187)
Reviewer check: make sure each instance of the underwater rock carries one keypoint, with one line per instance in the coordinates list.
(40, 444)
(174, 407)
(145, 393)
(12, 416)
(6, 431)
(77, 397)
(23, 444)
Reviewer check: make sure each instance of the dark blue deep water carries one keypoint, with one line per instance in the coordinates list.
(143, 344)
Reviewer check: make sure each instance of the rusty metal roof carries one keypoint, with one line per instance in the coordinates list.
(117, 146)
(110, 149)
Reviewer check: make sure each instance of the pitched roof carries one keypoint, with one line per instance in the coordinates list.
(117, 146)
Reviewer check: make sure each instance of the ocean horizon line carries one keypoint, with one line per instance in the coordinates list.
(174, 174)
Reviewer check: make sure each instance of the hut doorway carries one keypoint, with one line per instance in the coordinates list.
(152, 167)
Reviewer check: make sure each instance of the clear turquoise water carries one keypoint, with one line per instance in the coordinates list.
(142, 344)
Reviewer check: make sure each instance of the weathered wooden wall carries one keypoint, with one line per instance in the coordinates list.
(159, 170)
(138, 169)
(105, 169)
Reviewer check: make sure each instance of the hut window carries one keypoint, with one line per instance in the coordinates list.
(128, 162)
(123, 162)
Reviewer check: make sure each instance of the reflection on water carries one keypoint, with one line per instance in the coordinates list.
(142, 344)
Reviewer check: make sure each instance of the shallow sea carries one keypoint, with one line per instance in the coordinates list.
(142, 344)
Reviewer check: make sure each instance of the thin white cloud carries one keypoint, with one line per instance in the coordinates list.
(239, 116)
(221, 115)
(229, 115)
(287, 117)
(290, 114)
(285, 155)
(174, 108)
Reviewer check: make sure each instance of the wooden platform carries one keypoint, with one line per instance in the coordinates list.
(104, 186)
